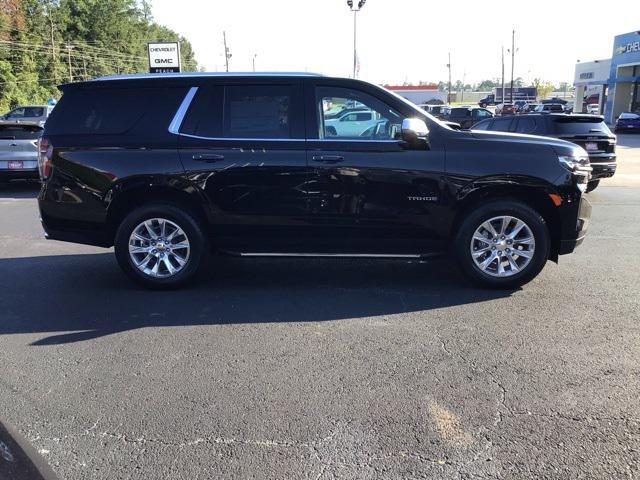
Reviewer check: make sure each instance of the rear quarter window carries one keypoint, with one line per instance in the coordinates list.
(113, 111)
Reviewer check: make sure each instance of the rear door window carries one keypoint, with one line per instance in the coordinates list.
(525, 125)
(501, 124)
(257, 111)
(484, 125)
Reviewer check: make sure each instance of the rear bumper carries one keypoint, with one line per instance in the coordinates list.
(575, 229)
(21, 174)
(603, 169)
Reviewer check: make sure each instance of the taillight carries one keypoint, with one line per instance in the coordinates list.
(45, 151)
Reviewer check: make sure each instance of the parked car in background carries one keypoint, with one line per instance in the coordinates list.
(169, 167)
(351, 124)
(520, 106)
(530, 107)
(467, 116)
(19, 150)
(592, 99)
(550, 108)
(339, 112)
(435, 110)
(593, 108)
(34, 114)
(505, 109)
(588, 131)
(559, 100)
(628, 122)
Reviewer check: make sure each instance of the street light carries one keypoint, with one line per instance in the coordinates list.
(355, 11)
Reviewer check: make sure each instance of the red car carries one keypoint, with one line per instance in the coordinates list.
(506, 109)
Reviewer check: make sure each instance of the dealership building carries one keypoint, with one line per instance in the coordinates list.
(616, 80)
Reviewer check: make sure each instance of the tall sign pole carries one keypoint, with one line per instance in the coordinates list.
(227, 53)
(449, 67)
(513, 57)
(503, 74)
(355, 11)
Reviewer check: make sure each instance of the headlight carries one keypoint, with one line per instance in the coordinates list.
(575, 163)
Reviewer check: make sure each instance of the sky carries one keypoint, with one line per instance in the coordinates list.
(402, 40)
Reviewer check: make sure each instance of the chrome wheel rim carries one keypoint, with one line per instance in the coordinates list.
(159, 248)
(502, 246)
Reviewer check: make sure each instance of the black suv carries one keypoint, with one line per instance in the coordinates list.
(588, 131)
(169, 167)
(466, 116)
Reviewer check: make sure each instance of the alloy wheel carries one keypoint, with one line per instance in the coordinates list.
(159, 248)
(502, 246)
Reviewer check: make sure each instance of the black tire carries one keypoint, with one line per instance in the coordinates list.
(592, 185)
(182, 218)
(496, 208)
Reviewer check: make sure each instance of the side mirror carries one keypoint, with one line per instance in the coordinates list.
(415, 133)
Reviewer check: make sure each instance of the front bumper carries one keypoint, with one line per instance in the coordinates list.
(573, 233)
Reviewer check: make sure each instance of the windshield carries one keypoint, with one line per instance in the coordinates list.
(417, 109)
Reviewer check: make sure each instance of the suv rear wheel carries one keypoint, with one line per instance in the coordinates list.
(160, 245)
(503, 244)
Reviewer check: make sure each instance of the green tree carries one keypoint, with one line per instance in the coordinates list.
(543, 87)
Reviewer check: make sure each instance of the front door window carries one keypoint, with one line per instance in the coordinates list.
(352, 115)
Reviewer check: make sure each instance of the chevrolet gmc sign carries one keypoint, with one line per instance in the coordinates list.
(164, 57)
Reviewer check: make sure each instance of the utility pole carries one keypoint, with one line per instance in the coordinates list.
(53, 45)
(227, 53)
(355, 13)
(69, 48)
(449, 67)
(503, 74)
(513, 57)
(464, 76)
(254, 61)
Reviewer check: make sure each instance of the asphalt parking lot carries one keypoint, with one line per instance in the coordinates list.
(324, 368)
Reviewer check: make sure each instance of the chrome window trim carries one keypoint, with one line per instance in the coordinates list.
(176, 123)
(247, 139)
(178, 118)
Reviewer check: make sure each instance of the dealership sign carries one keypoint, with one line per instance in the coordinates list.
(628, 47)
(586, 75)
(164, 57)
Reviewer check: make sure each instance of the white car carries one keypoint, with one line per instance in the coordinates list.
(351, 124)
(593, 109)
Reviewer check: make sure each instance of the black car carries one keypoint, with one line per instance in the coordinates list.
(588, 131)
(168, 167)
(466, 116)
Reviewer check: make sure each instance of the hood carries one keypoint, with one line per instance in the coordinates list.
(521, 138)
(561, 147)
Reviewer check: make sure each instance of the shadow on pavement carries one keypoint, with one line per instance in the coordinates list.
(19, 189)
(87, 296)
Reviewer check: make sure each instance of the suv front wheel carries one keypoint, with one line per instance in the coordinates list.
(160, 245)
(503, 244)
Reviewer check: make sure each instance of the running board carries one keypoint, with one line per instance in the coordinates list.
(333, 255)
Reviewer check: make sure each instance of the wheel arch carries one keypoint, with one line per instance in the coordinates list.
(532, 193)
(125, 197)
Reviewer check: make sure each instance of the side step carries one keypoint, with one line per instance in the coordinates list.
(331, 255)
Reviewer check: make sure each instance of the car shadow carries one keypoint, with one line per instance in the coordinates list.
(81, 297)
(20, 189)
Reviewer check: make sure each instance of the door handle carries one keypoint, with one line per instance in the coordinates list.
(208, 157)
(328, 158)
